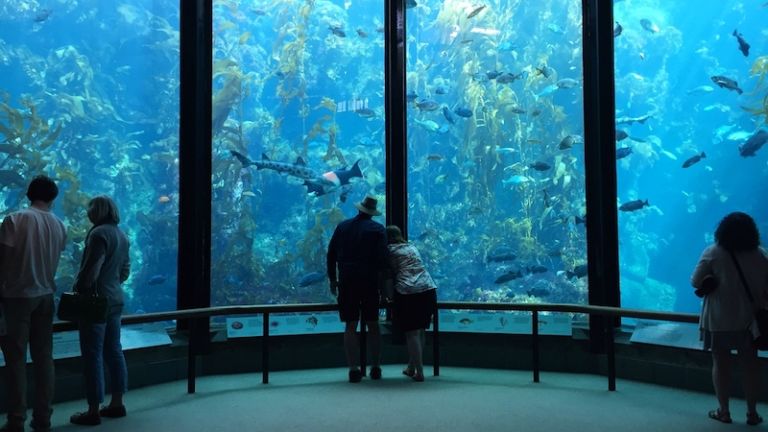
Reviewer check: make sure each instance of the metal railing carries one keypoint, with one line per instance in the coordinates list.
(535, 309)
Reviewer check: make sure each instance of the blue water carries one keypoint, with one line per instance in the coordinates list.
(287, 85)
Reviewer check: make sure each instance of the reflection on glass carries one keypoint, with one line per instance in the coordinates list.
(689, 96)
(298, 118)
(89, 96)
(496, 170)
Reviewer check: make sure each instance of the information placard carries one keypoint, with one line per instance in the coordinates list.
(285, 324)
(503, 322)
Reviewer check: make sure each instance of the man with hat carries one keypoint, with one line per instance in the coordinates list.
(358, 249)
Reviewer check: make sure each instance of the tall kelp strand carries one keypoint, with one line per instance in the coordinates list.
(760, 70)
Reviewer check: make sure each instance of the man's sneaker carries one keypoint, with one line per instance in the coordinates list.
(355, 376)
(376, 373)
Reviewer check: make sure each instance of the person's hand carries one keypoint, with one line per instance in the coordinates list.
(334, 288)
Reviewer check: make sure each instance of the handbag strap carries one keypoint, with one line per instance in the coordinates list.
(743, 279)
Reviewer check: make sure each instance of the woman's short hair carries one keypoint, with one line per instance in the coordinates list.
(42, 188)
(736, 232)
(394, 235)
(102, 210)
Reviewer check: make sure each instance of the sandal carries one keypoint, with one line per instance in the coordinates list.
(418, 377)
(85, 419)
(720, 416)
(754, 419)
(409, 372)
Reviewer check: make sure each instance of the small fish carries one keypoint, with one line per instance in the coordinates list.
(249, 194)
(311, 279)
(692, 160)
(538, 292)
(631, 120)
(544, 70)
(362, 33)
(440, 90)
(540, 166)
(580, 220)
(507, 78)
(434, 157)
(501, 254)
(578, 271)
(649, 26)
(365, 112)
(475, 11)
(743, 45)
(164, 199)
(569, 141)
(411, 96)
(427, 105)
(617, 29)
(465, 321)
(727, 83)
(463, 112)
(701, 89)
(337, 31)
(43, 15)
(410, 4)
(753, 144)
(517, 180)
(508, 276)
(448, 115)
(428, 125)
(567, 83)
(621, 135)
(623, 152)
(633, 205)
(312, 321)
(156, 280)
(536, 269)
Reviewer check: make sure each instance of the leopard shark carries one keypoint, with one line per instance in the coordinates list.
(297, 169)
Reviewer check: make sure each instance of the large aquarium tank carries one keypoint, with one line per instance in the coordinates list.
(494, 104)
(690, 95)
(89, 96)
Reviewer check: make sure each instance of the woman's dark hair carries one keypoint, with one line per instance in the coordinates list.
(737, 232)
(42, 188)
(394, 235)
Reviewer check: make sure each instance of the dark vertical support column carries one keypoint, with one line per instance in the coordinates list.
(194, 281)
(395, 115)
(611, 354)
(535, 343)
(600, 164)
(265, 350)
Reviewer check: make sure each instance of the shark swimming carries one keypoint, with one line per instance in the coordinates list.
(298, 169)
(332, 180)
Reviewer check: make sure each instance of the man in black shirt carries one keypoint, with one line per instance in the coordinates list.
(358, 249)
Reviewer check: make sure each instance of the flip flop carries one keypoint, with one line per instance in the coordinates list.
(720, 416)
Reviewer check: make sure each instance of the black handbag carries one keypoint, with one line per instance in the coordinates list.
(761, 315)
(74, 306)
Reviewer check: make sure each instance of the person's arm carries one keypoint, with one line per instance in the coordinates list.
(125, 269)
(93, 259)
(702, 278)
(331, 265)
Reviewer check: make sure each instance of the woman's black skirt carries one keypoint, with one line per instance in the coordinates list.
(414, 311)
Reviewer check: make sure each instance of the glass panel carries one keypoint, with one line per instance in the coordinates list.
(297, 110)
(496, 157)
(89, 96)
(688, 97)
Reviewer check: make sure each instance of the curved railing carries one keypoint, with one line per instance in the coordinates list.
(533, 308)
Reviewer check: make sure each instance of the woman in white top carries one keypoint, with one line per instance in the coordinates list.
(727, 314)
(415, 298)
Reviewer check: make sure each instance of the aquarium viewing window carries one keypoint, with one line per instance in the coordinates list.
(89, 96)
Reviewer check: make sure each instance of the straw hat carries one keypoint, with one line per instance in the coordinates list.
(368, 206)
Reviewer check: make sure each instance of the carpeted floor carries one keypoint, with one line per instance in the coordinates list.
(459, 400)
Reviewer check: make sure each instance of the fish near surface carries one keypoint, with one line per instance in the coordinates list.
(743, 45)
(617, 29)
(448, 115)
(727, 83)
(649, 25)
(753, 144)
(475, 11)
(298, 169)
(633, 205)
(508, 276)
(695, 159)
(427, 105)
(621, 135)
(540, 166)
(569, 141)
(463, 112)
(11, 178)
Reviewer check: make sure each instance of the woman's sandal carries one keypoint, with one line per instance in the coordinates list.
(754, 419)
(720, 416)
(409, 372)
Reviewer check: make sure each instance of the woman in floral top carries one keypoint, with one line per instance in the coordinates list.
(415, 298)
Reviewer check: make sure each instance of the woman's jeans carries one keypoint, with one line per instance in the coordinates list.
(99, 344)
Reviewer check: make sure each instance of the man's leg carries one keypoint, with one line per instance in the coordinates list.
(374, 342)
(351, 345)
(41, 347)
(14, 345)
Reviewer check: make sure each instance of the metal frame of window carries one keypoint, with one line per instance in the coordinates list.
(195, 150)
